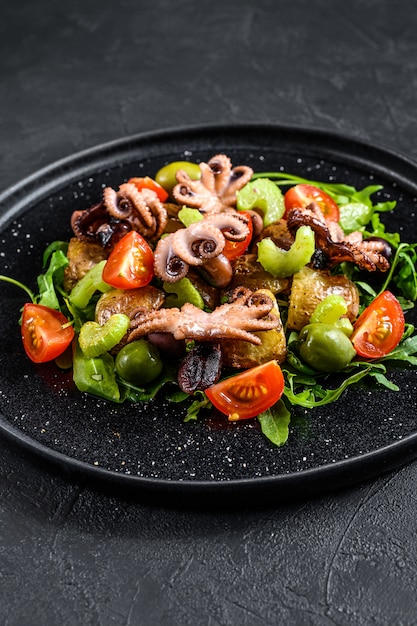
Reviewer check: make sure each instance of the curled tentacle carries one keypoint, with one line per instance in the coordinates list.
(331, 246)
(95, 226)
(195, 193)
(86, 222)
(198, 242)
(201, 244)
(216, 189)
(127, 204)
(221, 168)
(217, 271)
(233, 225)
(238, 319)
(158, 212)
(228, 180)
(167, 265)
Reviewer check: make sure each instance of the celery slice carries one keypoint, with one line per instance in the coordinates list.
(264, 195)
(95, 340)
(281, 263)
(83, 291)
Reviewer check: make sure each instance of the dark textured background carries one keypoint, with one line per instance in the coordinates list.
(74, 74)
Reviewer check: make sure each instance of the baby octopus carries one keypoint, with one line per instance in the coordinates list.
(217, 187)
(119, 212)
(333, 246)
(201, 245)
(246, 313)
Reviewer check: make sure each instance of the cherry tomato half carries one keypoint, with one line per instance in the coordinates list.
(130, 264)
(378, 330)
(45, 332)
(234, 249)
(302, 195)
(146, 182)
(249, 393)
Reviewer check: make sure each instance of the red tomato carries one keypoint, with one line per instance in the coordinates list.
(234, 249)
(302, 195)
(149, 183)
(45, 332)
(249, 393)
(130, 263)
(378, 330)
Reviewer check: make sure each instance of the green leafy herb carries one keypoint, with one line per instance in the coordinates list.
(50, 283)
(195, 403)
(150, 391)
(95, 375)
(308, 393)
(275, 423)
(403, 271)
(357, 208)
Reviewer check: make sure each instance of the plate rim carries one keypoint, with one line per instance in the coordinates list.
(22, 195)
(15, 193)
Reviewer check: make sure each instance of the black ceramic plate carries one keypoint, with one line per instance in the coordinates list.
(149, 448)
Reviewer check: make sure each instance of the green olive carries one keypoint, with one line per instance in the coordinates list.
(166, 175)
(138, 362)
(325, 347)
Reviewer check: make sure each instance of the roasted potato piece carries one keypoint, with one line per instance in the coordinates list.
(247, 272)
(126, 301)
(279, 234)
(82, 257)
(309, 287)
(242, 354)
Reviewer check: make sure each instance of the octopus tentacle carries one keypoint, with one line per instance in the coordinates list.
(238, 319)
(221, 168)
(85, 222)
(207, 179)
(333, 248)
(233, 225)
(167, 265)
(195, 193)
(217, 271)
(239, 177)
(217, 187)
(126, 203)
(198, 242)
(158, 212)
(201, 244)
(228, 180)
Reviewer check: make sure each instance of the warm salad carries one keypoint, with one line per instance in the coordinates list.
(234, 291)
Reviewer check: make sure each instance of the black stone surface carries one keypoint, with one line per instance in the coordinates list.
(76, 74)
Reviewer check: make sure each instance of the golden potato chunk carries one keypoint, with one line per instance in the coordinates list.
(309, 287)
(127, 301)
(82, 257)
(247, 272)
(243, 355)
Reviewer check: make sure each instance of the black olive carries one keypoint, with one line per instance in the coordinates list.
(201, 368)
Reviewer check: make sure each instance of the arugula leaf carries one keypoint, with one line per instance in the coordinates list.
(378, 230)
(53, 247)
(198, 400)
(356, 206)
(148, 392)
(405, 351)
(383, 380)
(51, 282)
(316, 395)
(403, 271)
(275, 423)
